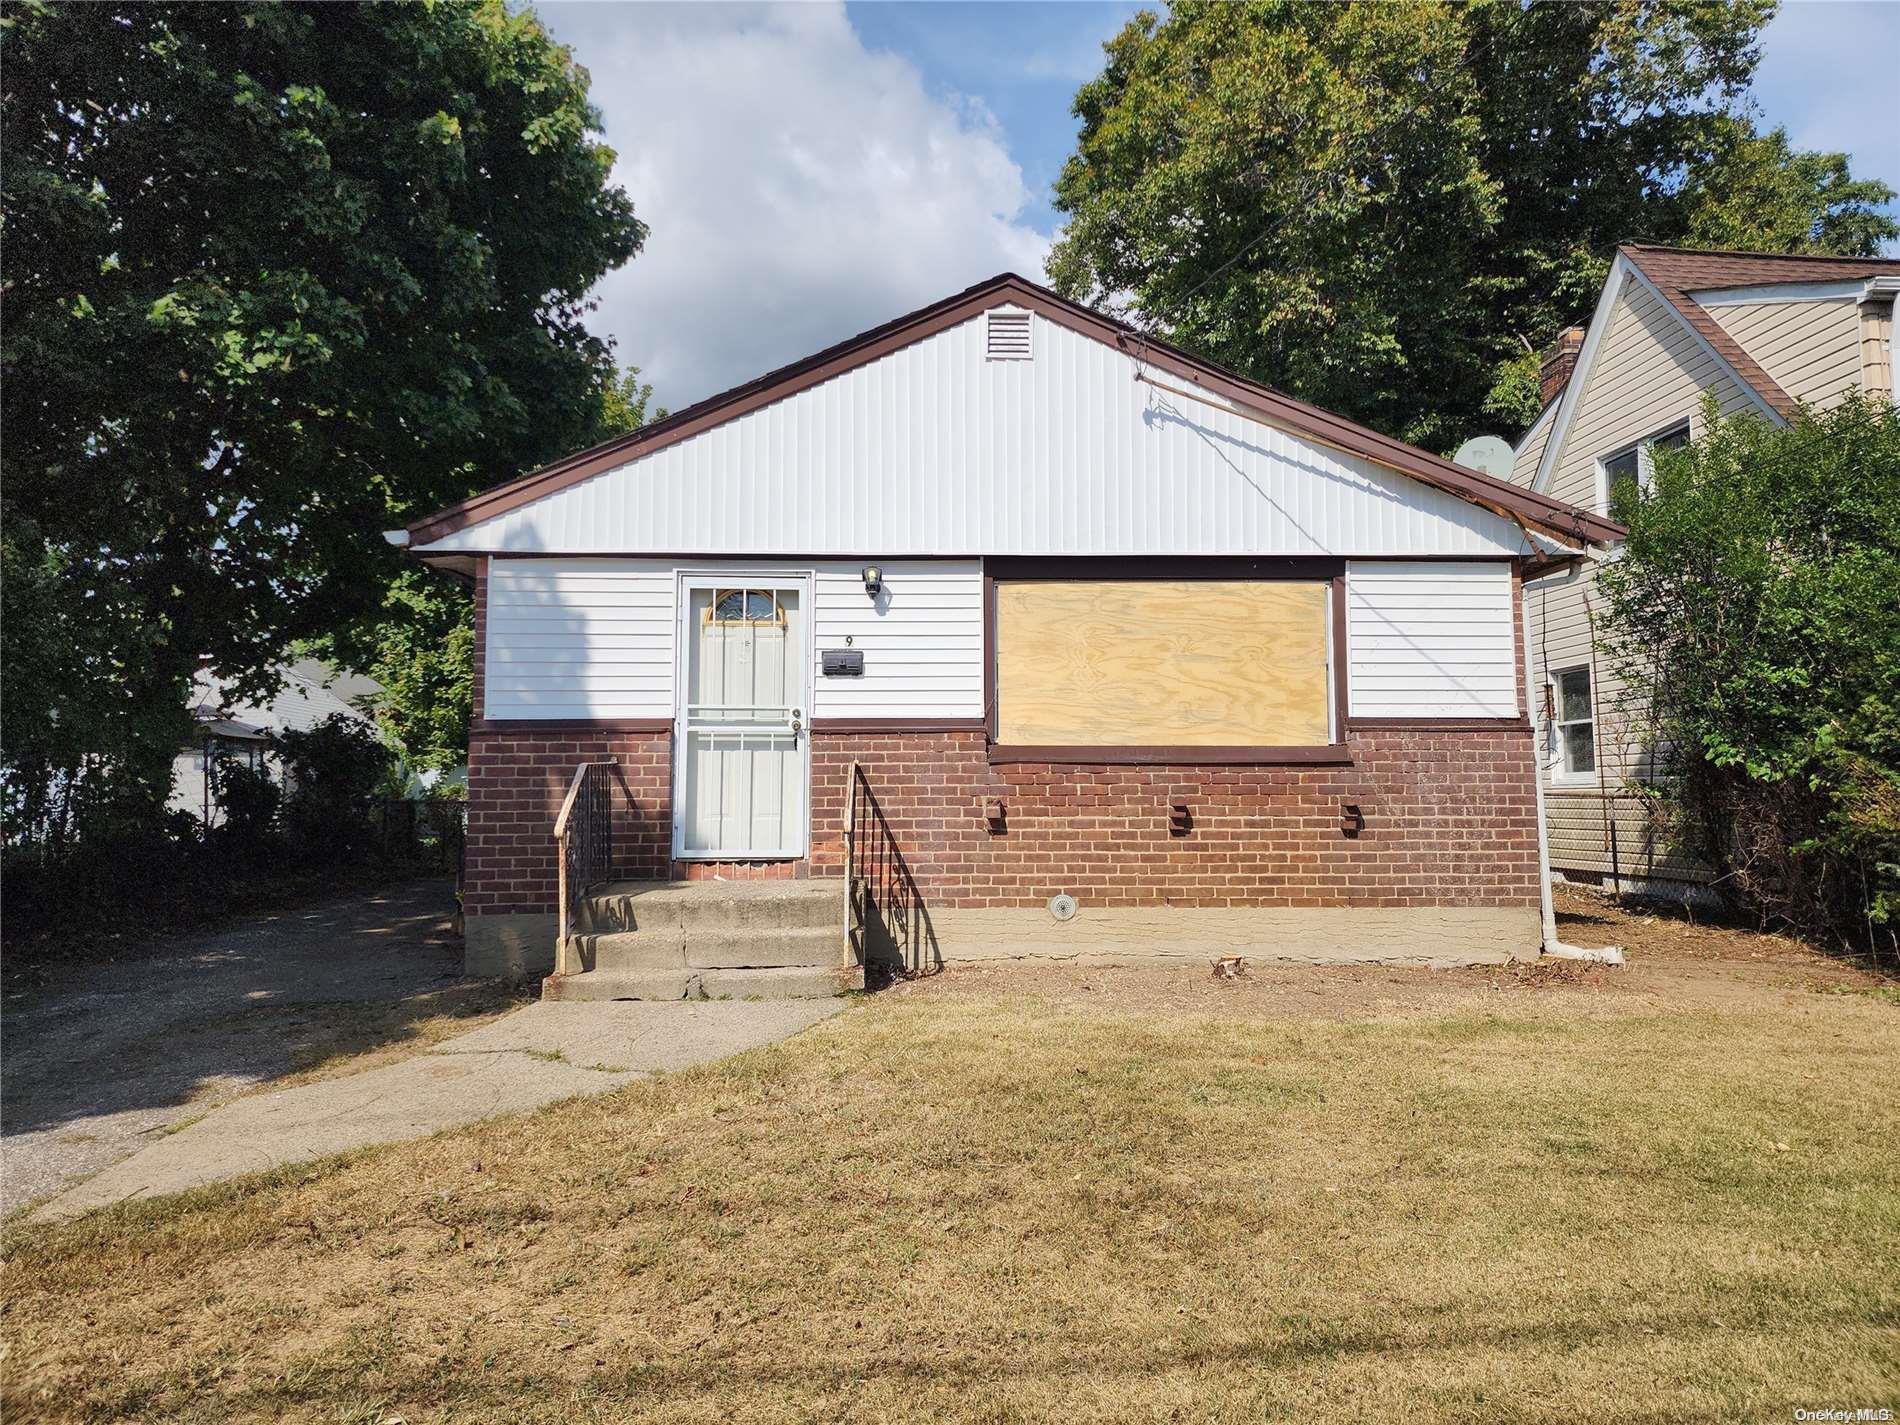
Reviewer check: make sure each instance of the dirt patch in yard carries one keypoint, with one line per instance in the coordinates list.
(1675, 960)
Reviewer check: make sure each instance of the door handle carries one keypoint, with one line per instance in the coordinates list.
(798, 724)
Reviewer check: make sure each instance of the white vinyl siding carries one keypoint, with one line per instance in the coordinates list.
(593, 638)
(934, 450)
(922, 640)
(1430, 639)
(1811, 349)
(578, 638)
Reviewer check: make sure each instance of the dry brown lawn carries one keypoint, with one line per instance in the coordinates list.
(1074, 1195)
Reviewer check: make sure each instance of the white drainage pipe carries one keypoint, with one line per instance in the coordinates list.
(1554, 948)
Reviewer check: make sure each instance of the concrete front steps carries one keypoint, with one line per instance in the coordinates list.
(654, 940)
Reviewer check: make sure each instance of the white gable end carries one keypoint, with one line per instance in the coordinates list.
(939, 449)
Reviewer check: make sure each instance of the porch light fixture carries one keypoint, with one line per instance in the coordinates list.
(873, 580)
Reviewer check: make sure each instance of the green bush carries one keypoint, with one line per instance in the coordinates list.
(1756, 606)
(335, 826)
(334, 774)
(249, 798)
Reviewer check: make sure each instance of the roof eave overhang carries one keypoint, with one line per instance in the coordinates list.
(1565, 522)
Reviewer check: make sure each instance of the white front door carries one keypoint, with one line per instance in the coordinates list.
(741, 752)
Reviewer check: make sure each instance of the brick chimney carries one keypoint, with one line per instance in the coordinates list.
(1559, 361)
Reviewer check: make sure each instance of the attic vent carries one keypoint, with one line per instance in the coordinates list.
(1008, 336)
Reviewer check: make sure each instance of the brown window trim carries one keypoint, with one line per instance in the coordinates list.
(514, 725)
(1012, 567)
(1440, 724)
(1030, 569)
(897, 724)
(1338, 755)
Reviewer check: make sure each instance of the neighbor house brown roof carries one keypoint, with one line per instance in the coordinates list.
(1679, 273)
(1514, 501)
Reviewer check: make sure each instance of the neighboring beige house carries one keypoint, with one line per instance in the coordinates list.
(1763, 333)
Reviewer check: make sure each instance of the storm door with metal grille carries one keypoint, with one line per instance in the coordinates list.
(741, 765)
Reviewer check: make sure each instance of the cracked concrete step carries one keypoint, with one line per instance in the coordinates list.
(629, 950)
(776, 982)
(642, 950)
(817, 946)
(781, 982)
(622, 984)
(713, 905)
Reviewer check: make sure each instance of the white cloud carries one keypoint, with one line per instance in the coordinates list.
(799, 188)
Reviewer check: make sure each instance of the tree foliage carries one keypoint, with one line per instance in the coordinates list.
(278, 277)
(421, 645)
(421, 650)
(1754, 608)
(332, 773)
(623, 407)
(1760, 194)
(1387, 209)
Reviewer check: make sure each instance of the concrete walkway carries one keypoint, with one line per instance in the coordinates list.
(534, 1056)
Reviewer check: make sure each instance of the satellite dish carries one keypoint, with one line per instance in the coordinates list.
(1488, 454)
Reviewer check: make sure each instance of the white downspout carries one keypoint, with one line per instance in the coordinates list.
(1553, 947)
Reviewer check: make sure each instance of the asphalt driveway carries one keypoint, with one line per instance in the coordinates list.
(100, 1060)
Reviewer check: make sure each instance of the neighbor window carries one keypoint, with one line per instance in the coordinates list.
(1636, 466)
(1574, 719)
(1163, 663)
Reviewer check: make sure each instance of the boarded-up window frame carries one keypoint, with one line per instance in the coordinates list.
(1330, 572)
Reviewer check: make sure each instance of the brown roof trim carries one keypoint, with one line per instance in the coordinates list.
(1678, 273)
(1735, 267)
(1567, 521)
(1665, 277)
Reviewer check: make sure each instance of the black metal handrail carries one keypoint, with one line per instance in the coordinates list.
(584, 838)
(886, 923)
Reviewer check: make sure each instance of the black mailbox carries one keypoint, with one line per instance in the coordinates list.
(843, 663)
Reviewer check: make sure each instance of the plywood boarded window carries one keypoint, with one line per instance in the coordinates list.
(1163, 663)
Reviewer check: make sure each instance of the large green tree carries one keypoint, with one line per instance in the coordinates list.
(421, 645)
(1387, 208)
(277, 276)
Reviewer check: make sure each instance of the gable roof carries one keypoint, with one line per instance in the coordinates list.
(1258, 401)
(311, 692)
(1679, 273)
(1674, 275)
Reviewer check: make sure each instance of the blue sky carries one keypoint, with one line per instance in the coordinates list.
(810, 170)
(1024, 61)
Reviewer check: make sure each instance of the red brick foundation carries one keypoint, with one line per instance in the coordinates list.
(516, 782)
(1449, 820)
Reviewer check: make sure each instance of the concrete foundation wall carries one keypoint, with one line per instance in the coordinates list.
(509, 946)
(1425, 935)
(522, 946)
